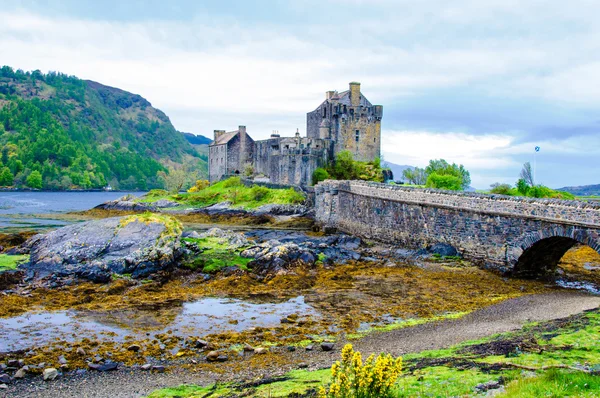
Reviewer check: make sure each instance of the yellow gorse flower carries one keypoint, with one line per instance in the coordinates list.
(351, 378)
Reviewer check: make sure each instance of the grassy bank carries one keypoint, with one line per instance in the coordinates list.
(556, 358)
(232, 190)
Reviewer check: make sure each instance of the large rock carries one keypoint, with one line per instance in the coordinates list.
(95, 250)
(273, 256)
(281, 210)
(126, 203)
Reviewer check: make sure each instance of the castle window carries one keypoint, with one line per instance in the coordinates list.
(324, 111)
(357, 135)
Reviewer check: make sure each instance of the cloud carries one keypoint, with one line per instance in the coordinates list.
(469, 81)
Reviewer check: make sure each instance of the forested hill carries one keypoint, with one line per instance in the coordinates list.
(61, 132)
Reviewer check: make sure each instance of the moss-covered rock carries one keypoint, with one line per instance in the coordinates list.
(138, 245)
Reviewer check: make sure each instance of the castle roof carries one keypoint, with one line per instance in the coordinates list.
(225, 138)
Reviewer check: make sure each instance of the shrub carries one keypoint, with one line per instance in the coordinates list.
(444, 181)
(199, 186)
(501, 189)
(352, 379)
(232, 182)
(156, 193)
(320, 174)
(259, 193)
(295, 197)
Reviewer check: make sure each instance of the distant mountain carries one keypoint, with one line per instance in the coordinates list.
(196, 139)
(61, 132)
(583, 190)
(397, 169)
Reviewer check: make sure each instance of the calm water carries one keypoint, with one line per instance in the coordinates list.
(38, 210)
(197, 318)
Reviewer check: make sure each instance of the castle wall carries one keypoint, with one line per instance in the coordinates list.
(217, 164)
(368, 130)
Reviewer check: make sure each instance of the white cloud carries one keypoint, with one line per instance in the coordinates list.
(211, 72)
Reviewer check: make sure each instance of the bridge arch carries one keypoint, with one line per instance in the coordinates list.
(543, 250)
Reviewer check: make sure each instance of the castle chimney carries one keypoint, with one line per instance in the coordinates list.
(218, 133)
(329, 94)
(355, 93)
(243, 149)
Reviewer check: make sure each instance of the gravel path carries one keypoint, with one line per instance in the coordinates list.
(505, 316)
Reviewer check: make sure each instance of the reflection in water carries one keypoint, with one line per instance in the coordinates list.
(198, 318)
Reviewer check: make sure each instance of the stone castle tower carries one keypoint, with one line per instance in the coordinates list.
(349, 121)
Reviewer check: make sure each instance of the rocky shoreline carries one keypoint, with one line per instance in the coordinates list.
(140, 258)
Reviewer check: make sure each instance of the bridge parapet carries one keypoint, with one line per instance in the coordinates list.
(555, 210)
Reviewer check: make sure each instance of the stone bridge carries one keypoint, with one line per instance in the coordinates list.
(522, 236)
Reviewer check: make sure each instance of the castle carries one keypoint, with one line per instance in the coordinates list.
(345, 121)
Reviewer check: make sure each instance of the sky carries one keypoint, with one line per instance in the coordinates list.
(480, 83)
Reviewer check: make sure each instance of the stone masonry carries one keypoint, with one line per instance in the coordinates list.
(523, 236)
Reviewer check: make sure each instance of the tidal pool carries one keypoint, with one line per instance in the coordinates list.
(193, 319)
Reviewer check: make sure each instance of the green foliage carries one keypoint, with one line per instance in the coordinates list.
(259, 193)
(346, 168)
(523, 187)
(81, 134)
(416, 176)
(444, 181)
(501, 189)
(443, 168)
(34, 180)
(232, 189)
(6, 177)
(8, 262)
(320, 174)
(232, 182)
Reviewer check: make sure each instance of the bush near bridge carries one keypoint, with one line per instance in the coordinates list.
(523, 189)
(346, 168)
(439, 174)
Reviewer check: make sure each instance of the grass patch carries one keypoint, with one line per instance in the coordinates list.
(232, 190)
(215, 255)
(11, 262)
(555, 383)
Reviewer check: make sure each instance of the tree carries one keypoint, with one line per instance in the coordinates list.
(174, 180)
(416, 176)
(34, 180)
(523, 187)
(441, 167)
(320, 174)
(527, 174)
(6, 177)
(500, 189)
(444, 181)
